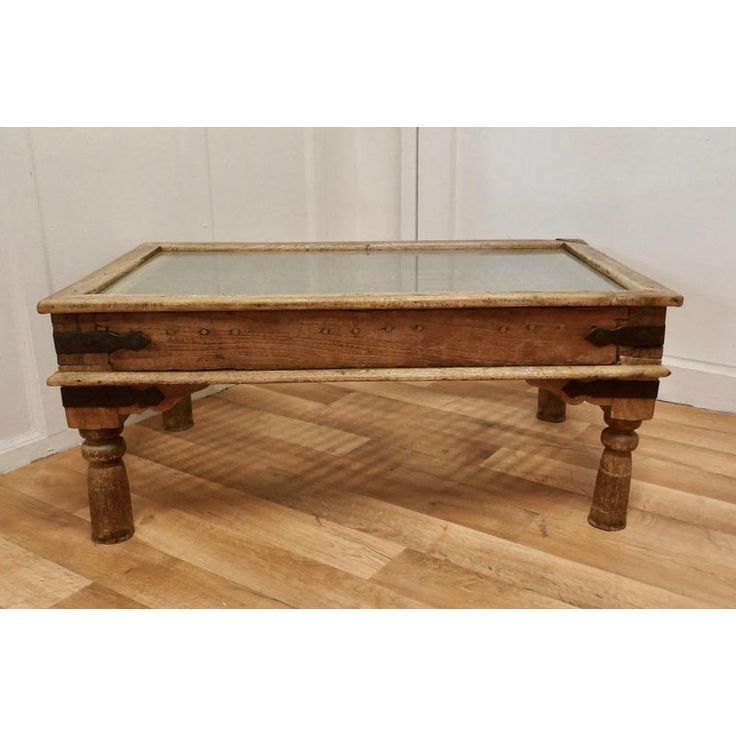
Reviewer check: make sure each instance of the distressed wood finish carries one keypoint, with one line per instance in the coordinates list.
(135, 352)
(99, 414)
(106, 275)
(106, 406)
(85, 296)
(644, 316)
(615, 270)
(98, 303)
(611, 495)
(292, 340)
(501, 373)
(179, 417)
(631, 400)
(550, 408)
(625, 405)
(110, 507)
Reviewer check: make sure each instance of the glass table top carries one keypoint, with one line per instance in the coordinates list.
(309, 273)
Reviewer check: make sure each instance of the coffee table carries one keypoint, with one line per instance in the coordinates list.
(167, 319)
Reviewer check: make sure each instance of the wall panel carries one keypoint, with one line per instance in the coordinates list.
(661, 200)
(29, 410)
(357, 179)
(103, 190)
(16, 410)
(73, 199)
(259, 187)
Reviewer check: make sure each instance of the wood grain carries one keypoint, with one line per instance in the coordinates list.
(28, 580)
(178, 418)
(455, 496)
(378, 338)
(501, 373)
(84, 296)
(613, 269)
(97, 596)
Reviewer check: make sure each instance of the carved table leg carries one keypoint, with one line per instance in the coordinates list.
(111, 511)
(611, 495)
(179, 417)
(99, 412)
(550, 408)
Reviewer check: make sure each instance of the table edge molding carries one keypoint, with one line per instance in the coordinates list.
(494, 373)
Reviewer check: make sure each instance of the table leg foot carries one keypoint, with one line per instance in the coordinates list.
(110, 507)
(611, 495)
(179, 417)
(550, 408)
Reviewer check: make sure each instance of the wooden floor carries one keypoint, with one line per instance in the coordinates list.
(382, 495)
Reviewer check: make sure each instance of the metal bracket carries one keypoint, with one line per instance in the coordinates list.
(633, 336)
(612, 389)
(109, 396)
(98, 341)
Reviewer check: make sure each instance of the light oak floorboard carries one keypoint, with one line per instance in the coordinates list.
(28, 580)
(445, 585)
(133, 569)
(645, 496)
(97, 596)
(429, 494)
(254, 518)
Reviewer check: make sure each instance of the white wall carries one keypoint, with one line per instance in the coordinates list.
(73, 199)
(661, 200)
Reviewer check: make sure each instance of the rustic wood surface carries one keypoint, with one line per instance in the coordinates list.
(615, 270)
(557, 373)
(386, 338)
(446, 494)
(550, 408)
(84, 295)
(613, 482)
(111, 514)
(97, 303)
(179, 417)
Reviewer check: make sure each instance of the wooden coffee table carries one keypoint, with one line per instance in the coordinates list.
(167, 319)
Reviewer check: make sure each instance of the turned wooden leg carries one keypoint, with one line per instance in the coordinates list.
(179, 417)
(550, 408)
(611, 495)
(111, 511)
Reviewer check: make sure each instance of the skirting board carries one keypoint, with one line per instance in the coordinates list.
(32, 446)
(705, 385)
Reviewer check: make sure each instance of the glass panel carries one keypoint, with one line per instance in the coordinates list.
(299, 273)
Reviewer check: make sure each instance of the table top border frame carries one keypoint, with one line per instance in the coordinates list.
(473, 373)
(86, 294)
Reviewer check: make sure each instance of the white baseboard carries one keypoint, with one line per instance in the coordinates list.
(705, 385)
(33, 445)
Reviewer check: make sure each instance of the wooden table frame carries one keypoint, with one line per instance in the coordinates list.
(121, 354)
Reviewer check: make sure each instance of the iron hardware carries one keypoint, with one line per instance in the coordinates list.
(98, 341)
(633, 336)
(112, 396)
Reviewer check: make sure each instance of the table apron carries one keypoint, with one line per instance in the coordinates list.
(327, 339)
